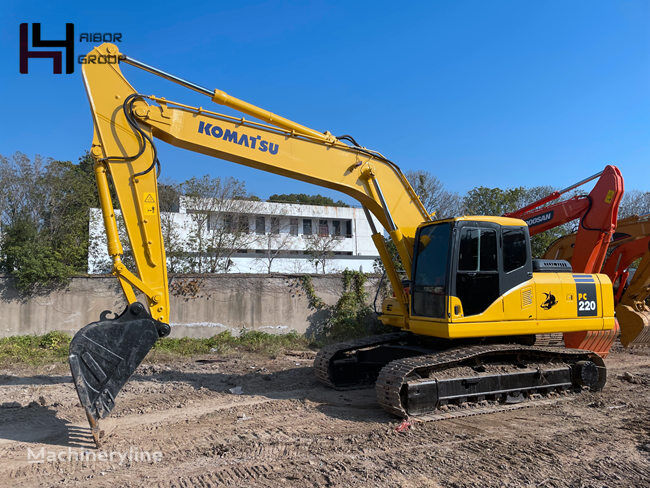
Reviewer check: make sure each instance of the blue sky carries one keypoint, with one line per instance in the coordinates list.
(498, 93)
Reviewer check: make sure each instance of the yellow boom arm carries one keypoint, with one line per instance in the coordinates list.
(125, 123)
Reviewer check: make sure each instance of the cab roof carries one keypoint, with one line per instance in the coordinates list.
(505, 221)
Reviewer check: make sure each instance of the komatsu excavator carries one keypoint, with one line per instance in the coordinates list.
(596, 213)
(476, 297)
(630, 242)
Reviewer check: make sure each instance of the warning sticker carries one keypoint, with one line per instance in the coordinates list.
(149, 204)
(610, 195)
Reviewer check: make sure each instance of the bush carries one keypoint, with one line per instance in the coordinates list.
(33, 349)
(350, 317)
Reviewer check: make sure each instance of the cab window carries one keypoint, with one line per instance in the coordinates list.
(429, 291)
(514, 249)
(477, 278)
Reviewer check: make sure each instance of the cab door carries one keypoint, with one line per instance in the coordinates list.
(476, 277)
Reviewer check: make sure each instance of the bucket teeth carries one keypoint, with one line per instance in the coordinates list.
(94, 429)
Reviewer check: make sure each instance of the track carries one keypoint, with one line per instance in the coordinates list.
(396, 374)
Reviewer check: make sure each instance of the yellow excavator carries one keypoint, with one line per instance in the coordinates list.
(465, 321)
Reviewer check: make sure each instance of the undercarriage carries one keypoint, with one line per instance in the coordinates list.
(433, 379)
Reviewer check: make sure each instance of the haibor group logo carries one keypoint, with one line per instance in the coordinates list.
(32, 50)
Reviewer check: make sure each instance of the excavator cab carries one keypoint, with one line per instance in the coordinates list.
(476, 273)
(488, 259)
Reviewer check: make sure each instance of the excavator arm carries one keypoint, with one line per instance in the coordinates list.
(103, 355)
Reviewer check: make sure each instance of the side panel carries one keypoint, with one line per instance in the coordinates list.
(547, 303)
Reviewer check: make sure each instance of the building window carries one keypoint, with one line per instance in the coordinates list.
(275, 225)
(336, 224)
(213, 221)
(306, 227)
(293, 227)
(260, 225)
(323, 228)
(243, 224)
(228, 223)
(348, 228)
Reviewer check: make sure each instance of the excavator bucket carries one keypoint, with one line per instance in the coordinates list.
(104, 355)
(632, 311)
(635, 325)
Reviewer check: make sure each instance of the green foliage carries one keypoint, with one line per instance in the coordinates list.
(31, 260)
(45, 220)
(308, 286)
(33, 349)
(493, 201)
(378, 265)
(54, 341)
(53, 346)
(248, 340)
(350, 317)
(304, 199)
(496, 201)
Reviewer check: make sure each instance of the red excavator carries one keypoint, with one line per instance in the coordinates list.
(598, 213)
(630, 242)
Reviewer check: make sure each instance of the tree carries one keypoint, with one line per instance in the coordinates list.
(69, 191)
(44, 218)
(433, 195)
(219, 211)
(303, 199)
(273, 246)
(378, 265)
(29, 259)
(169, 194)
(493, 201)
(496, 201)
(634, 202)
(320, 249)
(175, 236)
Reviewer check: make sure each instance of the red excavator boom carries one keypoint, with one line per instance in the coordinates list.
(598, 212)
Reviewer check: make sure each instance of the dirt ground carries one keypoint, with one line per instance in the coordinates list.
(178, 424)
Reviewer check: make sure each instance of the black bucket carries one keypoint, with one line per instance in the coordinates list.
(104, 355)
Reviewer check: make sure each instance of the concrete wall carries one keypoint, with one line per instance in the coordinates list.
(201, 306)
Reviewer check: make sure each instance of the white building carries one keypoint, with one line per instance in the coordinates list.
(260, 237)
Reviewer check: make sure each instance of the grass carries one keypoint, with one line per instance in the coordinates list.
(53, 347)
(34, 349)
(247, 341)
